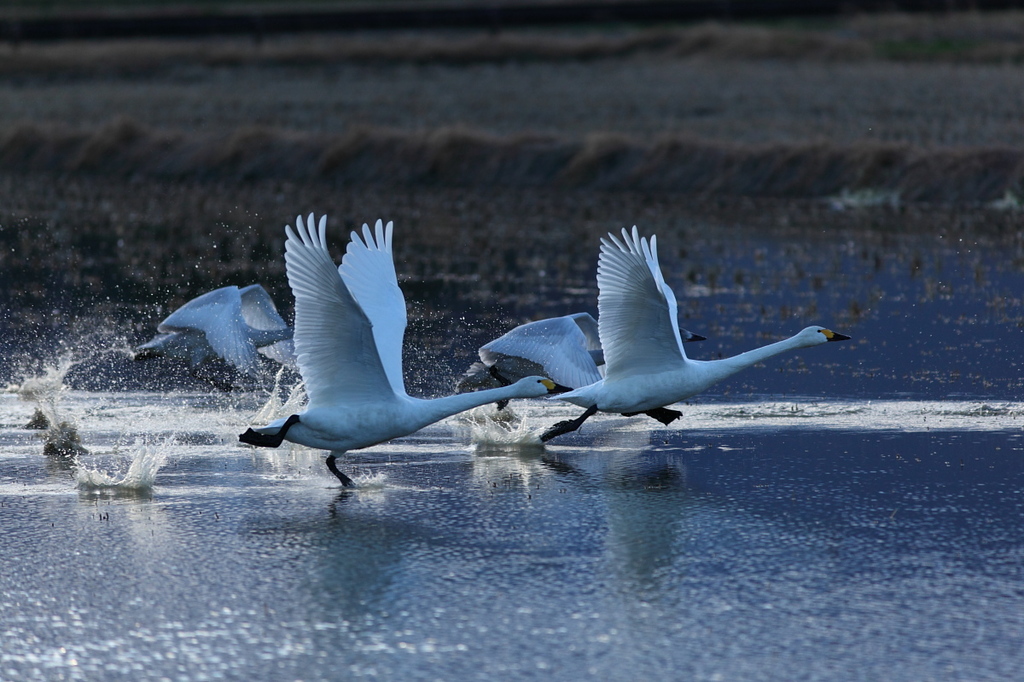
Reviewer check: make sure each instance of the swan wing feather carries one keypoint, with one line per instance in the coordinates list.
(258, 309)
(334, 341)
(557, 345)
(588, 325)
(259, 312)
(636, 317)
(217, 315)
(368, 270)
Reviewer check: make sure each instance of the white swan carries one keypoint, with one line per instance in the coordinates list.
(645, 365)
(565, 349)
(349, 324)
(229, 323)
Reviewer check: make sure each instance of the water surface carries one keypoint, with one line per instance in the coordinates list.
(851, 512)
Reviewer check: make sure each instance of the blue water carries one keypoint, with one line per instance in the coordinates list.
(852, 512)
(793, 553)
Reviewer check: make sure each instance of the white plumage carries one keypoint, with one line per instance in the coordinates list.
(646, 367)
(229, 323)
(349, 328)
(566, 349)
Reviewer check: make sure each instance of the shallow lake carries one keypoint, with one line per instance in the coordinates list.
(849, 512)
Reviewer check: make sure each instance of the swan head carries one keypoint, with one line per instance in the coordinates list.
(814, 336)
(534, 387)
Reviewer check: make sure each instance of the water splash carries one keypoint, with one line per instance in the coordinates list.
(275, 408)
(45, 390)
(491, 428)
(377, 480)
(62, 441)
(143, 463)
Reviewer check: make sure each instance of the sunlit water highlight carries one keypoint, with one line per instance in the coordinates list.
(842, 513)
(747, 540)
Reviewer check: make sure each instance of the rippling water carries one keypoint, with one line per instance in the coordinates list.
(837, 538)
(850, 512)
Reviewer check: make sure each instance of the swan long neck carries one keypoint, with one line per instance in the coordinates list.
(438, 408)
(726, 367)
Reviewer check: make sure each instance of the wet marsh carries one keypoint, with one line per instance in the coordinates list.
(847, 512)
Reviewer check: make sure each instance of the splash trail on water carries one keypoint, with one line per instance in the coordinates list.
(489, 427)
(275, 407)
(143, 462)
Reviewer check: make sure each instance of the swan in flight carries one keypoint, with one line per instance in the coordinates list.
(228, 323)
(565, 349)
(646, 367)
(349, 325)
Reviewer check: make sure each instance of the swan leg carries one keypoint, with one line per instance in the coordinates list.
(267, 440)
(345, 480)
(501, 379)
(568, 425)
(497, 376)
(662, 414)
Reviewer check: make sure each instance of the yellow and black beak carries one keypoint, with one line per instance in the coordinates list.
(553, 387)
(833, 336)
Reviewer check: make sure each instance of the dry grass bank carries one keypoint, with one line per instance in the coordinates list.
(461, 158)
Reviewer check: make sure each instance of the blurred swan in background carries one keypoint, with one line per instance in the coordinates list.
(349, 328)
(646, 367)
(228, 323)
(565, 349)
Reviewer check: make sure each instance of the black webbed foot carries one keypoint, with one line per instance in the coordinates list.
(345, 480)
(266, 440)
(662, 414)
(568, 425)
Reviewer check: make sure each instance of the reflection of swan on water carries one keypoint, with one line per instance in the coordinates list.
(227, 323)
(646, 366)
(566, 349)
(349, 326)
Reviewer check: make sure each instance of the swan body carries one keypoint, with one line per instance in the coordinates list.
(646, 367)
(641, 392)
(565, 349)
(349, 327)
(228, 323)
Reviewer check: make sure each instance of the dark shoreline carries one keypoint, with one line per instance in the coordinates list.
(258, 22)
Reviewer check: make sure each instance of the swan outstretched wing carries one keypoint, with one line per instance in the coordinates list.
(588, 326)
(334, 340)
(368, 269)
(218, 315)
(558, 345)
(258, 309)
(259, 312)
(636, 309)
